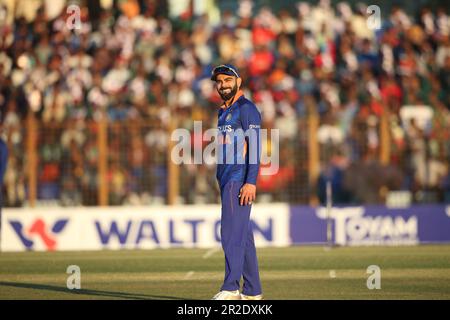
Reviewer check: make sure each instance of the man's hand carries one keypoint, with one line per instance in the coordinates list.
(247, 194)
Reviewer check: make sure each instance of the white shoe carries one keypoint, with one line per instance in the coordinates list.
(227, 295)
(258, 297)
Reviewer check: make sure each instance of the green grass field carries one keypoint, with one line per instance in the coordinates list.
(419, 272)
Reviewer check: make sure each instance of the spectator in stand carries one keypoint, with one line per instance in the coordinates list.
(140, 60)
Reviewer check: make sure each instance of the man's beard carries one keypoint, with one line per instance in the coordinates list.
(228, 96)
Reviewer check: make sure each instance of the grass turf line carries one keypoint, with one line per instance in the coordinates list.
(299, 272)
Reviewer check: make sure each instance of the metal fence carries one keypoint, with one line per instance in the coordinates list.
(90, 163)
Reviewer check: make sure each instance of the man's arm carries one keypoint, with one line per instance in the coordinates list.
(251, 124)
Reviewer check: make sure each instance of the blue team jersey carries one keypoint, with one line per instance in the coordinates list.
(239, 143)
(3, 160)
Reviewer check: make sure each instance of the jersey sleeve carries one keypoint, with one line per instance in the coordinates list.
(251, 124)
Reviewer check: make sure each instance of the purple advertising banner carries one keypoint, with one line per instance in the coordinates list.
(371, 225)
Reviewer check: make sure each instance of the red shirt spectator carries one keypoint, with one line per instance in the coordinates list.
(261, 62)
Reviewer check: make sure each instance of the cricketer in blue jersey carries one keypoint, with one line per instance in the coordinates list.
(3, 163)
(239, 124)
(3, 160)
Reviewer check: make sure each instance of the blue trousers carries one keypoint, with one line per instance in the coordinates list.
(238, 243)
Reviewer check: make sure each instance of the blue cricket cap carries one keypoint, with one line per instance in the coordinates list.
(228, 69)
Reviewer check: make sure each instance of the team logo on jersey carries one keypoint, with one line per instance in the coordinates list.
(228, 117)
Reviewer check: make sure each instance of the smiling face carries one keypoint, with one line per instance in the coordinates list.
(227, 86)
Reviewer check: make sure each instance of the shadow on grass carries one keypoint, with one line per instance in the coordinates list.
(112, 294)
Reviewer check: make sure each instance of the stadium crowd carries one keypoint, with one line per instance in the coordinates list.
(137, 64)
